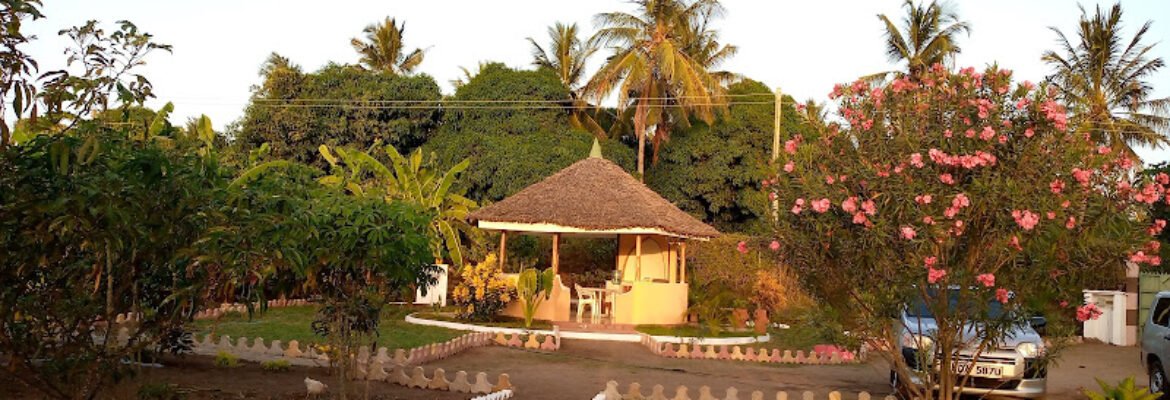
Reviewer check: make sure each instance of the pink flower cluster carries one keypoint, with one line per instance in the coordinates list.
(798, 207)
(1150, 193)
(1026, 219)
(1056, 186)
(1082, 176)
(1157, 227)
(790, 145)
(987, 280)
(741, 247)
(821, 206)
(979, 159)
(1088, 312)
(923, 199)
(1055, 113)
(1002, 295)
(1140, 257)
(934, 275)
(959, 202)
(908, 232)
(916, 160)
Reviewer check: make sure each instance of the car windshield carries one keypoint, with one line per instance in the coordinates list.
(919, 309)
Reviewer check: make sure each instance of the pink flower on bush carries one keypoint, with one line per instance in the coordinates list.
(1088, 312)
(798, 207)
(928, 220)
(1103, 150)
(987, 280)
(1015, 242)
(1163, 178)
(771, 195)
(1029, 132)
(1052, 215)
(1056, 186)
(850, 204)
(1026, 219)
(1055, 113)
(987, 133)
(790, 146)
(775, 245)
(1071, 223)
(1082, 176)
(869, 207)
(923, 199)
(916, 160)
(908, 232)
(947, 179)
(860, 219)
(822, 205)
(934, 275)
(960, 201)
(1002, 295)
(789, 167)
(930, 261)
(1065, 204)
(742, 247)
(1157, 227)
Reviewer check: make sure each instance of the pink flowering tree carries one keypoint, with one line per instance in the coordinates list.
(962, 183)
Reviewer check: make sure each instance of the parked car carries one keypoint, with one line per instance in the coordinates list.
(1156, 341)
(1011, 369)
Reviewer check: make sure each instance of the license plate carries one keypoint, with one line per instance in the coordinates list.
(975, 369)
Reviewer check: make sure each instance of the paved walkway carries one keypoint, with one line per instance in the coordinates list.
(581, 369)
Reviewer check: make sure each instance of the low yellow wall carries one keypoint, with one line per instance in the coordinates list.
(652, 303)
(554, 308)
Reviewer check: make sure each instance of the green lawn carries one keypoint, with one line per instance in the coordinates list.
(501, 322)
(292, 323)
(690, 331)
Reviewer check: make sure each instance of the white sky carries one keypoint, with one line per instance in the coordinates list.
(803, 47)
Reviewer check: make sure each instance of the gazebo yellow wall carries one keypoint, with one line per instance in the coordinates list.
(659, 260)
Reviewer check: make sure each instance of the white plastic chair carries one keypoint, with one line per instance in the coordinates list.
(587, 297)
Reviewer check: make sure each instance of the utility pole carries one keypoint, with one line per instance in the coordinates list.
(776, 148)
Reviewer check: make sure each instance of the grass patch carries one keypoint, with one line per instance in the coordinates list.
(796, 337)
(292, 323)
(690, 331)
(502, 322)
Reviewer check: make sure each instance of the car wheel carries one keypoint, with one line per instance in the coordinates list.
(1157, 377)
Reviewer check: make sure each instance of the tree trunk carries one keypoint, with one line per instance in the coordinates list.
(640, 130)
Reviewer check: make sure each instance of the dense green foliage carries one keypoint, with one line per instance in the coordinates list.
(715, 171)
(100, 224)
(339, 105)
(512, 148)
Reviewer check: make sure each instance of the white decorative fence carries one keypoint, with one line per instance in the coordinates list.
(823, 354)
(634, 392)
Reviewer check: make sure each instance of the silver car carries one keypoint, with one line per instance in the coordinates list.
(1156, 341)
(1012, 369)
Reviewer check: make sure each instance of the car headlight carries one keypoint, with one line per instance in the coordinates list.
(1029, 349)
(917, 341)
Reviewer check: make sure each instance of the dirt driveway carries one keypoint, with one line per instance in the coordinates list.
(582, 368)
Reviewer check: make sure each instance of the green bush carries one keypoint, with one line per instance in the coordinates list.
(276, 366)
(224, 359)
(159, 391)
(1125, 390)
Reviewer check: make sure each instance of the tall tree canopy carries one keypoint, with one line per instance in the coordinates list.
(295, 112)
(1105, 78)
(568, 55)
(512, 147)
(383, 49)
(715, 172)
(651, 69)
(927, 36)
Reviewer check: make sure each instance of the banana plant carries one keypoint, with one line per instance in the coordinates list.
(413, 180)
(532, 288)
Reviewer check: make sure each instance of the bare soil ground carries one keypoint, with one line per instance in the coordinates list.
(581, 369)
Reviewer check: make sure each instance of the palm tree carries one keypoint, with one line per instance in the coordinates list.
(1103, 77)
(652, 70)
(383, 49)
(567, 55)
(927, 36)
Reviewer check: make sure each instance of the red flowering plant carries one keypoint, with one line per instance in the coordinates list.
(967, 194)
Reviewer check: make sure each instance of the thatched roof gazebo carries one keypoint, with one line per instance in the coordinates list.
(596, 198)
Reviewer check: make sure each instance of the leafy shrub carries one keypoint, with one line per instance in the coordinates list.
(275, 366)
(224, 359)
(159, 391)
(482, 291)
(1125, 390)
(724, 277)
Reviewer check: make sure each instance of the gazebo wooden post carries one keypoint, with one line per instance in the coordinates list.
(682, 269)
(638, 254)
(556, 255)
(503, 248)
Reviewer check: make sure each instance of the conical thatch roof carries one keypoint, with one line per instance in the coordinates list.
(594, 195)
